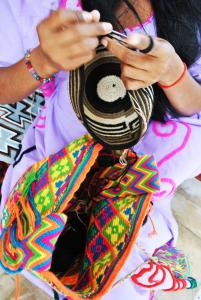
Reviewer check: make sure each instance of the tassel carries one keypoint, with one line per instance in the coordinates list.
(154, 231)
(21, 212)
(17, 281)
(123, 158)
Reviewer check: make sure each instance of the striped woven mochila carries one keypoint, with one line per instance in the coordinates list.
(114, 116)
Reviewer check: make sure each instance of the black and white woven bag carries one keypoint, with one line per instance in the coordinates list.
(115, 117)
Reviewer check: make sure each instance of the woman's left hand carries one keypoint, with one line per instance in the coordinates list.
(161, 64)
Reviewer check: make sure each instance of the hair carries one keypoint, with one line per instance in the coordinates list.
(179, 22)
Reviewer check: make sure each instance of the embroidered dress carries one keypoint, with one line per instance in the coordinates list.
(175, 145)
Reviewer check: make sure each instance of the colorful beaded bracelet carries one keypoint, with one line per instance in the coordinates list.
(32, 70)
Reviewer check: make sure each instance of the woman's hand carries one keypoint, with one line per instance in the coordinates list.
(139, 70)
(68, 39)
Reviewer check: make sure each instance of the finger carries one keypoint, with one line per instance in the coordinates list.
(83, 46)
(93, 29)
(135, 74)
(62, 18)
(81, 31)
(129, 57)
(79, 57)
(142, 41)
(132, 85)
(76, 62)
(95, 15)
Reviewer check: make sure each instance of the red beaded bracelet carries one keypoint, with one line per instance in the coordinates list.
(177, 81)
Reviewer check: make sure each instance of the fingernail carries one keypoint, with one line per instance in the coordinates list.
(86, 16)
(104, 42)
(134, 39)
(107, 27)
(96, 13)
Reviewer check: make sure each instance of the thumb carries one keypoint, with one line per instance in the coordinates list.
(142, 42)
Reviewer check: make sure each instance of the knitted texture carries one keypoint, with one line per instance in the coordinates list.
(34, 218)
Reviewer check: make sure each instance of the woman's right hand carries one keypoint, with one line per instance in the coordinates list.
(68, 39)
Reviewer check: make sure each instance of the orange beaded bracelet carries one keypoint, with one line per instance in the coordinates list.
(177, 81)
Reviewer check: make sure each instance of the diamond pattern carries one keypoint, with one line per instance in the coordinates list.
(115, 230)
(45, 190)
(106, 214)
(97, 248)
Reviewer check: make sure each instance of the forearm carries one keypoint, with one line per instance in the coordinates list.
(16, 82)
(185, 96)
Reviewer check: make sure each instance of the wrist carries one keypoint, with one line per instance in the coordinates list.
(42, 64)
(173, 72)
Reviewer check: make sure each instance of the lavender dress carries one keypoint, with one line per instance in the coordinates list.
(175, 145)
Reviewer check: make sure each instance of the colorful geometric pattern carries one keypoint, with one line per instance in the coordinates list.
(33, 216)
(117, 215)
(37, 199)
(34, 253)
(155, 276)
(167, 270)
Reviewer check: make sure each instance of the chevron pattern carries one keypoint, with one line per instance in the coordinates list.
(45, 186)
(34, 253)
(41, 243)
(118, 213)
(156, 276)
(142, 177)
(147, 179)
(32, 219)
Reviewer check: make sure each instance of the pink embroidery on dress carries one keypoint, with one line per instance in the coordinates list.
(62, 3)
(72, 4)
(180, 148)
(165, 134)
(79, 4)
(48, 88)
(170, 182)
(173, 126)
(140, 26)
(41, 119)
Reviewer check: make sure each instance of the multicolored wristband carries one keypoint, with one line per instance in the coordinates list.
(33, 71)
(177, 81)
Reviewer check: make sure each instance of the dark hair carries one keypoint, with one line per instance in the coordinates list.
(179, 22)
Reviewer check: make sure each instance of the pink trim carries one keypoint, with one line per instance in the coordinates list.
(42, 118)
(180, 148)
(163, 193)
(172, 132)
(166, 134)
(40, 126)
(171, 154)
(79, 4)
(146, 22)
(62, 3)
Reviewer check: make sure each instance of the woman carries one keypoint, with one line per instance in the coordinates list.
(63, 41)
